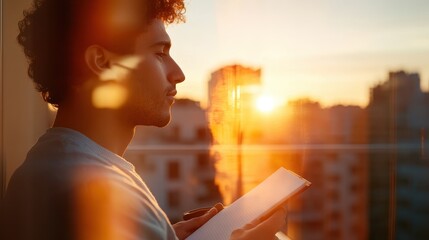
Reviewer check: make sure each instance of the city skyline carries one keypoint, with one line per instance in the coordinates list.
(350, 155)
(330, 51)
(270, 106)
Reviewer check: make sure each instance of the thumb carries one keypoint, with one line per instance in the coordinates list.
(270, 226)
(198, 221)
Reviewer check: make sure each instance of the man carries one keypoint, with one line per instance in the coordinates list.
(106, 66)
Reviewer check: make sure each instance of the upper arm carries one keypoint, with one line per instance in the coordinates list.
(110, 207)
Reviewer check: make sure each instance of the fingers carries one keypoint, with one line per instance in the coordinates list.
(201, 211)
(264, 230)
(184, 228)
(271, 225)
(213, 211)
(196, 222)
(219, 207)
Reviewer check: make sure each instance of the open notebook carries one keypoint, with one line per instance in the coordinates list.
(271, 193)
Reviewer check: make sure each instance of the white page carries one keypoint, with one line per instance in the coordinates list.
(273, 191)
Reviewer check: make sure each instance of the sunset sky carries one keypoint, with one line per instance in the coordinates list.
(330, 50)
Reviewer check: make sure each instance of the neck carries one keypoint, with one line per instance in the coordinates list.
(102, 126)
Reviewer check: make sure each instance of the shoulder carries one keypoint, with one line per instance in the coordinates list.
(116, 205)
(84, 199)
(65, 187)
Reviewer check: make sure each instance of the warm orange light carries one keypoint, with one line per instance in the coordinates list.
(119, 70)
(111, 96)
(99, 205)
(265, 104)
(52, 108)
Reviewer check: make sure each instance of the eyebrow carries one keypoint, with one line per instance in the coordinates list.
(166, 44)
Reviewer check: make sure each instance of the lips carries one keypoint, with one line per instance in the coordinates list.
(172, 93)
(170, 96)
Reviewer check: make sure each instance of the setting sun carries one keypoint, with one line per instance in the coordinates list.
(265, 104)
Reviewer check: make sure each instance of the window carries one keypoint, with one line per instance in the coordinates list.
(333, 195)
(203, 161)
(173, 170)
(334, 234)
(335, 216)
(354, 187)
(354, 170)
(355, 208)
(173, 198)
(202, 134)
(334, 178)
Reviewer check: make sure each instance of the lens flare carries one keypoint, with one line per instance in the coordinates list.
(111, 96)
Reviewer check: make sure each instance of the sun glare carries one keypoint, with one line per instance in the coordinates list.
(265, 104)
(110, 96)
(119, 70)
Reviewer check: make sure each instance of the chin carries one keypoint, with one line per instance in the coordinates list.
(160, 121)
(156, 119)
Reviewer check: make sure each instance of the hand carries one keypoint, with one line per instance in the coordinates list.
(261, 230)
(184, 228)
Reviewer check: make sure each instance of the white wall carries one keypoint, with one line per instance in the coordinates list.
(25, 115)
(2, 164)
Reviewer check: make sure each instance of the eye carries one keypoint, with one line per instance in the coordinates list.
(161, 55)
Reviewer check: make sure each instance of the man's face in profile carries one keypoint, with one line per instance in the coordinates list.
(141, 84)
(151, 83)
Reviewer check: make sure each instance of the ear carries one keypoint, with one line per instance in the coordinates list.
(97, 59)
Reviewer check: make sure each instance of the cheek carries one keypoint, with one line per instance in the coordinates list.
(148, 83)
(153, 79)
(145, 90)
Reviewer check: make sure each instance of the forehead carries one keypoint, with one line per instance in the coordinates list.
(122, 25)
(126, 13)
(153, 33)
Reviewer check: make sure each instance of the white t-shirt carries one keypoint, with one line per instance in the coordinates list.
(69, 187)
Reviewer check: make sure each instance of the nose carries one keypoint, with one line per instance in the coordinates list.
(176, 74)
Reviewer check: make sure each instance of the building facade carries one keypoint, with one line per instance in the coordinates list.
(398, 116)
(232, 92)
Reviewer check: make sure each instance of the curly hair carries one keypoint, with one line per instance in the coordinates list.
(55, 33)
